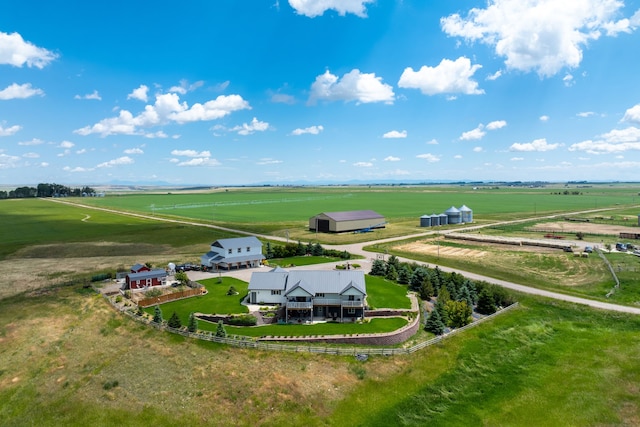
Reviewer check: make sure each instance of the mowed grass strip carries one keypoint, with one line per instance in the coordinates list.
(300, 261)
(383, 293)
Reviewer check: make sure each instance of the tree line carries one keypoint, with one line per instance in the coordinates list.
(47, 190)
(292, 249)
(456, 296)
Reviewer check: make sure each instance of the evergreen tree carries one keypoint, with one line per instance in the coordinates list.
(221, 331)
(378, 268)
(441, 304)
(404, 275)
(300, 250)
(418, 276)
(309, 248)
(486, 303)
(268, 251)
(392, 274)
(393, 261)
(473, 291)
(139, 312)
(182, 278)
(157, 314)
(318, 250)
(434, 323)
(193, 323)
(426, 290)
(174, 321)
(465, 295)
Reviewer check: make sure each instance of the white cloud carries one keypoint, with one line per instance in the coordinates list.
(44, 164)
(190, 153)
(94, 95)
(7, 161)
(31, 155)
(517, 159)
(498, 124)
(392, 159)
(432, 142)
(632, 114)
(268, 161)
(158, 134)
(66, 144)
(282, 98)
(363, 164)
(186, 87)
(133, 151)
(536, 145)
(542, 36)
(16, 91)
(200, 161)
(613, 142)
(477, 149)
(585, 114)
(568, 80)
(544, 118)
(166, 109)
(457, 156)
(313, 8)
(495, 76)
(11, 130)
(353, 86)
(313, 130)
(448, 77)
(34, 141)
(473, 134)
(141, 93)
(125, 160)
(82, 151)
(249, 128)
(395, 134)
(431, 158)
(17, 52)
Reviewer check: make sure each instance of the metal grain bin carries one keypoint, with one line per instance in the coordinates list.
(466, 214)
(444, 219)
(453, 215)
(425, 221)
(435, 220)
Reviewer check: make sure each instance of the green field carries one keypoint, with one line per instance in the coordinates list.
(544, 363)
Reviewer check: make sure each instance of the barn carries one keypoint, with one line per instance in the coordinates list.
(338, 222)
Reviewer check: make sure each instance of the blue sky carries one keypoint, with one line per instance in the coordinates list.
(233, 92)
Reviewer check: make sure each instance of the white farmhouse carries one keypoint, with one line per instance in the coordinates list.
(235, 252)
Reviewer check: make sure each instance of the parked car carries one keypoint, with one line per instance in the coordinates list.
(567, 249)
(588, 249)
(622, 247)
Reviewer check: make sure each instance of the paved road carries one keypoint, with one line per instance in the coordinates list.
(358, 249)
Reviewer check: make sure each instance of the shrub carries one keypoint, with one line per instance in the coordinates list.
(193, 323)
(152, 293)
(174, 321)
(243, 320)
(221, 331)
(232, 291)
(110, 384)
(101, 277)
(118, 299)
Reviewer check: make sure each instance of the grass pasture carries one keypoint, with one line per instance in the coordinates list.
(544, 363)
(382, 293)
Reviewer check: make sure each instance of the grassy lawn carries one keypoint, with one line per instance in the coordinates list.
(216, 301)
(374, 326)
(383, 293)
(298, 261)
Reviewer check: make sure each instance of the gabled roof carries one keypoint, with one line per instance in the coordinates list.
(137, 267)
(312, 281)
(300, 285)
(353, 215)
(147, 274)
(237, 242)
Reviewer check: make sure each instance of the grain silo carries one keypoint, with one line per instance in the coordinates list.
(425, 221)
(435, 220)
(453, 215)
(466, 214)
(444, 219)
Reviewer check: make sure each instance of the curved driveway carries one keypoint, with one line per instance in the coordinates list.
(358, 249)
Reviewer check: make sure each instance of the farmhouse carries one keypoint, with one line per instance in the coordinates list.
(236, 252)
(145, 278)
(311, 294)
(337, 222)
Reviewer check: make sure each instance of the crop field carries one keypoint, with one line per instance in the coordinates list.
(297, 205)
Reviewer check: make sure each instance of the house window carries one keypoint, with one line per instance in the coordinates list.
(239, 250)
(230, 251)
(320, 295)
(248, 249)
(352, 311)
(352, 298)
(149, 282)
(276, 292)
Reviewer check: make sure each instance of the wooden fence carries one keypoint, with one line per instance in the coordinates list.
(249, 342)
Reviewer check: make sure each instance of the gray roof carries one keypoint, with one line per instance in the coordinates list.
(452, 210)
(269, 280)
(147, 274)
(312, 281)
(237, 242)
(353, 215)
